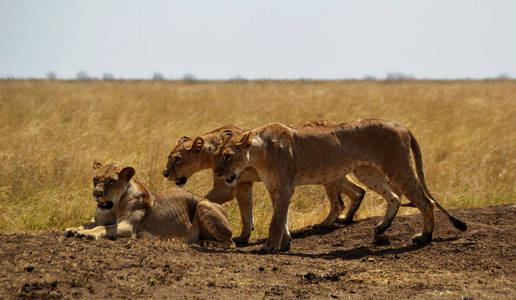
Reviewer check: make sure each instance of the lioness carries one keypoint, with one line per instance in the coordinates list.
(285, 157)
(125, 208)
(192, 155)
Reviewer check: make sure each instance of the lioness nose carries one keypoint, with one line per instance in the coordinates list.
(98, 193)
(165, 173)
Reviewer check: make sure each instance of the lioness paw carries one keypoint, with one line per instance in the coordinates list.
(422, 239)
(69, 232)
(87, 235)
(345, 221)
(225, 244)
(381, 240)
(241, 240)
(267, 250)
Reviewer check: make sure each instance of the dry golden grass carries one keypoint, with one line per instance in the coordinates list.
(50, 132)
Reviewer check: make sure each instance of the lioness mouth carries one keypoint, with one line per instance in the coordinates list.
(107, 205)
(181, 181)
(231, 179)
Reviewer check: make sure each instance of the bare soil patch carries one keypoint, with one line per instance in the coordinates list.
(341, 262)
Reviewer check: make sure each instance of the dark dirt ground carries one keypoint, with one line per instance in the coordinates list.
(337, 263)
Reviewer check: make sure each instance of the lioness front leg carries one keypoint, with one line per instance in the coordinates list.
(286, 239)
(122, 229)
(74, 230)
(244, 195)
(279, 235)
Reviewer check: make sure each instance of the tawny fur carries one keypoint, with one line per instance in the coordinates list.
(285, 157)
(125, 209)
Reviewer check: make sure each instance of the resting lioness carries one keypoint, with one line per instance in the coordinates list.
(125, 208)
(285, 157)
(192, 155)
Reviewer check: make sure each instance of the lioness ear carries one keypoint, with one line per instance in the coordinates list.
(197, 144)
(97, 165)
(127, 173)
(245, 141)
(226, 135)
(183, 139)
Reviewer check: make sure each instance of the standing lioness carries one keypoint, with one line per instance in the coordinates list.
(192, 155)
(125, 208)
(285, 157)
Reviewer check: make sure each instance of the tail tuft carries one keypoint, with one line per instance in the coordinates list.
(458, 224)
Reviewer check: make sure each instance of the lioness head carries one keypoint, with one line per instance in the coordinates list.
(184, 160)
(232, 156)
(109, 183)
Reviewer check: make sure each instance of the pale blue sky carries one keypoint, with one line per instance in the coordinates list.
(258, 39)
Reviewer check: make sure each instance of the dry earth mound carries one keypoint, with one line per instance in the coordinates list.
(337, 263)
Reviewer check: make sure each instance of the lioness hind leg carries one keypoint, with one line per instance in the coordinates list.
(412, 189)
(333, 191)
(213, 223)
(194, 234)
(375, 181)
(355, 194)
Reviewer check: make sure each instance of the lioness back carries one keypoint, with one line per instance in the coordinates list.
(320, 152)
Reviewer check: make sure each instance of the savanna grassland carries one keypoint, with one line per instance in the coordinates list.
(51, 131)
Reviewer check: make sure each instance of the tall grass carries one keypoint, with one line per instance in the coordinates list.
(51, 131)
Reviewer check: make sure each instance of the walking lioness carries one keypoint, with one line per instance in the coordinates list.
(125, 208)
(285, 157)
(192, 155)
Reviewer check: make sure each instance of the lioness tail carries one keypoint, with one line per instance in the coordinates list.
(416, 151)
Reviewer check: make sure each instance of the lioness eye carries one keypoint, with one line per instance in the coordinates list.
(110, 182)
(177, 159)
(227, 157)
(95, 181)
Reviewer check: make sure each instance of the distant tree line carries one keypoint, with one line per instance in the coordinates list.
(83, 75)
(189, 77)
